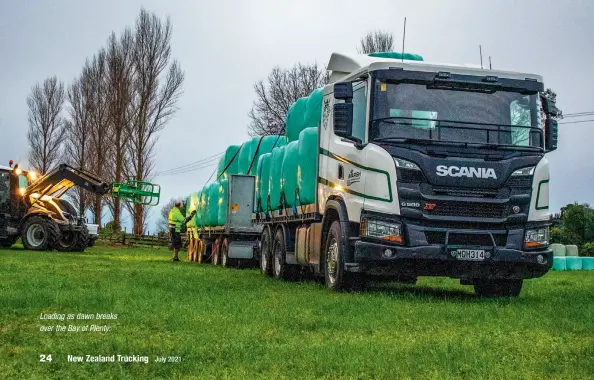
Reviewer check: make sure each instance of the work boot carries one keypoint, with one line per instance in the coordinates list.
(175, 259)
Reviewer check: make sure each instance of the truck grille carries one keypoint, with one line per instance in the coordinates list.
(438, 237)
(467, 209)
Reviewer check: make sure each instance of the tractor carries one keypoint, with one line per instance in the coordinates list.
(32, 207)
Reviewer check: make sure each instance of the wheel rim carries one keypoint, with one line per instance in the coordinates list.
(35, 235)
(67, 239)
(332, 260)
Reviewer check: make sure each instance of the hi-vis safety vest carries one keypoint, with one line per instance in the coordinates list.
(176, 219)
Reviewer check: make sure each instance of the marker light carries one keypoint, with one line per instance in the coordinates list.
(22, 190)
(18, 171)
(33, 176)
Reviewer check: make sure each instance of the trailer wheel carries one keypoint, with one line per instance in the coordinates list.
(280, 269)
(225, 260)
(335, 275)
(216, 257)
(266, 252)
(498, 288)
(190, 247)
(40, 234)
(199, 244)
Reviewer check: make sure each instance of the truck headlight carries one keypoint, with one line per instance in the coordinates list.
(524, 171)
(380, 229)
(404, 164)
(536, 237)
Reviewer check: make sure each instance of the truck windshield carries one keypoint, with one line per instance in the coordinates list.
(404, 111)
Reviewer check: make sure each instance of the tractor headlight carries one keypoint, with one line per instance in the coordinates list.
(536, 237)
(380, 229)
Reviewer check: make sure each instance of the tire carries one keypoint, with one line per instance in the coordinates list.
(335, 276)
(91, 242)
(498, 288)
(280, 269)
(266, 252)
(8, 242)
(216, 253)
(40, 234)
(200, 250)
(73, 241)
(225, 260)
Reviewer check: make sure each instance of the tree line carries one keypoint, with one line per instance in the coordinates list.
(575, 225)
(107, 119)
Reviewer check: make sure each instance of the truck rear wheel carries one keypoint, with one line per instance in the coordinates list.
(336, 277)
(280, 269)
(40, 234)
(498, 288)
(266, 252)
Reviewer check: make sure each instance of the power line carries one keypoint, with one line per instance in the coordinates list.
(579, 114)
(193, 169)
(192, 164)
(576, 121)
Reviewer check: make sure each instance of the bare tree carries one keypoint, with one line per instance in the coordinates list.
(46, 124)
(281, 90)
(157, 86)
(120, 80)
(99, 131)
(77, 142)
(376, 41)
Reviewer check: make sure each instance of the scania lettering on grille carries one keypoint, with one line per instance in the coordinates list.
(465, 171)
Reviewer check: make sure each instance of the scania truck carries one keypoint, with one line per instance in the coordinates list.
(421, 170)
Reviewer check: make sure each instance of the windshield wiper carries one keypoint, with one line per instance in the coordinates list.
(414, 140)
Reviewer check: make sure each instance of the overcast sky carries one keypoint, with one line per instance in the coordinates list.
(225, 46)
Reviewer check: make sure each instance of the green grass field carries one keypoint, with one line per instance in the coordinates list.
(239, 324)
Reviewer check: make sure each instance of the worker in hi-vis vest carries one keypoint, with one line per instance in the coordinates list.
(177, 221)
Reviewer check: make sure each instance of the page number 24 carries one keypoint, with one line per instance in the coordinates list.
(45, 358)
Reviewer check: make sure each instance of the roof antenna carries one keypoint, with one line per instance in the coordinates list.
(403, 38)
(481, 53)
(490, 67)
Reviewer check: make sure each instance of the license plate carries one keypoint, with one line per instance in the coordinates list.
(470, 254)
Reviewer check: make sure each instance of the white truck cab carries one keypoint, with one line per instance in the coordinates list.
(441, 170)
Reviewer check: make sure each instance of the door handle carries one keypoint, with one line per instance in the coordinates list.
(340, 171)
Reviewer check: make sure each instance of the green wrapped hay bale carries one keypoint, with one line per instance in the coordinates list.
(313, 110)
(559, 263)
(306, 167)
(189, 207)
(396, 55)
(197, 199)
(230, 154)
(588, 263)
(223, 188)
(245, 155)
(212, 218)
(573, 262)
(571, 250)
(263, 181)
(558, 249)
(267, 143)
(289, 173)
(201, 213)
(275, 182)
(295, 121)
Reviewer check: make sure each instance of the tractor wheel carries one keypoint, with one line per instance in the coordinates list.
(73, 241)
(8, 242)
(40, 234)
(225, 260)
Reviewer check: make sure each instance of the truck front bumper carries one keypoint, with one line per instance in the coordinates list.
(436, 260)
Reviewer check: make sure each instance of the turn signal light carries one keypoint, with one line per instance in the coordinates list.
(393, 239)
(532, 244)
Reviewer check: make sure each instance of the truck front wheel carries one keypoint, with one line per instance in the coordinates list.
(40, 234)
(336, 277)
(498, 288)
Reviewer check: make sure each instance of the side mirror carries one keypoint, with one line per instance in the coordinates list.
(551, 134)
(343, 90)
(549, 107)
(343, 119)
